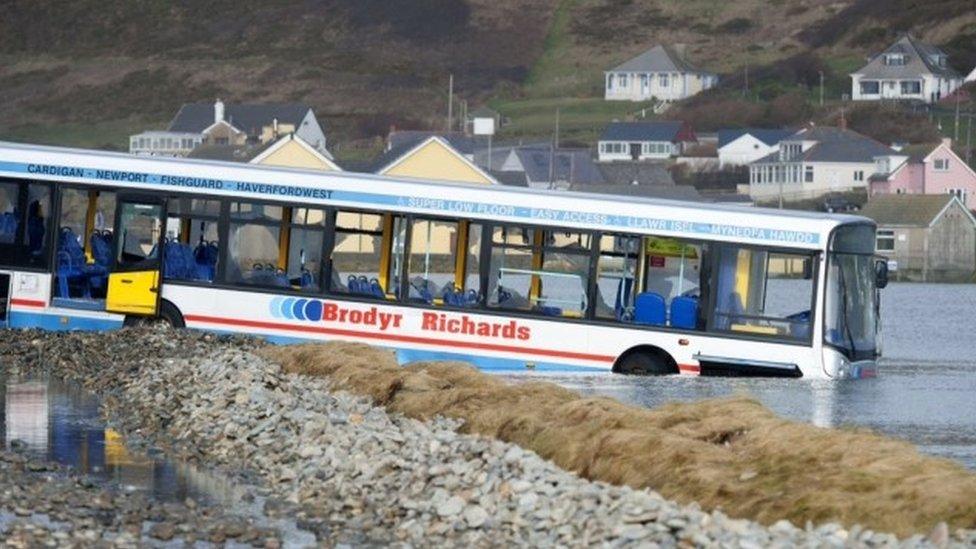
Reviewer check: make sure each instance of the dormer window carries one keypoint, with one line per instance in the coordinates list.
(789, 151)
(894, 59)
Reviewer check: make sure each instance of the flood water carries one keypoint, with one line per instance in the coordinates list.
(61, 423)
(925, 391)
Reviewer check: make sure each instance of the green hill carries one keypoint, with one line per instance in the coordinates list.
(89, 72)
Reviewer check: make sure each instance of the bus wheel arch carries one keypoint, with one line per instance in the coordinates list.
(645, 360)
(168, 314)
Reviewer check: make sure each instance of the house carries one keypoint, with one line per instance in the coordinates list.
(932, 170)
(926, 237)
(289, 151)
(972, 76)
(819, 160)
(743, 146)
(482, 113)
(659, 73)
(219, 124)
(430, 157)
(644, 140)
(557, 169)
(908, 70)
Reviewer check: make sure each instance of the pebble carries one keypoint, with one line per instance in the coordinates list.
(366, 477)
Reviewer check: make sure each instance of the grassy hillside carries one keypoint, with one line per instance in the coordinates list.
(90, 72)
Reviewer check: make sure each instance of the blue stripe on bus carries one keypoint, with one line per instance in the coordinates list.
(57, 321)
(441, 206)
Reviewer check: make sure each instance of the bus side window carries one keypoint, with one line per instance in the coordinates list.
(762, 293)
(509, 274)
(192, 243)
(25, 223)
(616, 277)
(254, 247)
(359, 264)
(432, 261)
(305, 240)
(84, 243)
(671, 293)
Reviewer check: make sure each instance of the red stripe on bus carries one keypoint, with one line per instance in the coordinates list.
(402, 338)
(28, 303)
(689, 369)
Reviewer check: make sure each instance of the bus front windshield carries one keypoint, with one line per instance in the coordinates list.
(851, 313)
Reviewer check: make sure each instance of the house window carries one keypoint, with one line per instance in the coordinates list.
(664, 80)
(894, 59)
(609, 81)
(622, 80)
(911, 87)
(870, 87)
(808, 174)
(941, 164)
(958, 193)
(859, 175)
(886, 240)
(643, 82)
(899, 191)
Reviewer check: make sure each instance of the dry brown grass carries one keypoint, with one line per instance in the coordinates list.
(732, 454)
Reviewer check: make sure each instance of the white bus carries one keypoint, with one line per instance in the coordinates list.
(507, 279)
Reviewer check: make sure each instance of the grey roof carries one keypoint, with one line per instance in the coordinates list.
(249, 118)
(229, 153)
(644, 173)
(768, 136)
(642, 131)
(834, 145)
(905, 210)
(672, 192)
(573, 165)
(658, 59)
(484, 112)
(512, 179)
(918, 60)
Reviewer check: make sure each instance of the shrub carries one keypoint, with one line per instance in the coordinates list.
(739, 25)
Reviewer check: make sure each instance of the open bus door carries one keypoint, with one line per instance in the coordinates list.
(135, 280)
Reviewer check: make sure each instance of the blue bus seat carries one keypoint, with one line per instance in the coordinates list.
(374, 288)
(8, 228)
(684, 312)
(353, 284)
(649, 308)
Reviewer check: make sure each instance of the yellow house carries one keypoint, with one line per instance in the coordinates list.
(434, 159)
(292, 151)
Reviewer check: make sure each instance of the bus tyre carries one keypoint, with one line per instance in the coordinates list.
(168, 314)
(647, 363)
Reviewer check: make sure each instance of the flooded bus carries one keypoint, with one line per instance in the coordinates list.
(507, 279)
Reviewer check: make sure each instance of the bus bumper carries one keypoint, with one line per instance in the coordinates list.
(836, 366)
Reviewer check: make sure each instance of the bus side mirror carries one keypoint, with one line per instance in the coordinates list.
(881, 273)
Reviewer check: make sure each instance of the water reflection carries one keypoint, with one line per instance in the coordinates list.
(61, 423)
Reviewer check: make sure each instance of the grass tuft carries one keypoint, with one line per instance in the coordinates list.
(732, 454)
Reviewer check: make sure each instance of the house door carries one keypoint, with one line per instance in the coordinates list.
(135, 280)
(635, 151)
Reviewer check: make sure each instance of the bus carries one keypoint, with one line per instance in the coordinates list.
(507, 279)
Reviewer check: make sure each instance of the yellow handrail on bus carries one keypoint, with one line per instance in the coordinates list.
(385, 251)
(461, 257)
(536, 289)
(90, 224)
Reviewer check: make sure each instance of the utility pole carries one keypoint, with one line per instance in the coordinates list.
(745, 90)
(552, 154)
(969, 140)
(450, 102)
(821, 88)
(955, 138)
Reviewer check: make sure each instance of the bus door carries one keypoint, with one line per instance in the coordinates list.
(135, 280)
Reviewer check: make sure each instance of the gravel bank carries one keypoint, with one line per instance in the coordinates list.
(355, 474)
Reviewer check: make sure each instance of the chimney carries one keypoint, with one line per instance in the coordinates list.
(218, 111)
(947, 141)
(274, 128)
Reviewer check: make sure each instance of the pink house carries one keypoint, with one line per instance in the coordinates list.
(939, 171)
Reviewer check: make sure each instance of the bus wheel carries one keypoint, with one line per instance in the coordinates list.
(168, 314)
(649, 361)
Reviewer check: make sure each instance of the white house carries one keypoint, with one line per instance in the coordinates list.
(644, 140)
(972, 76)
(909, 70)
(740, 147)
(220, 124)
(817, 161)
(659, 73)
